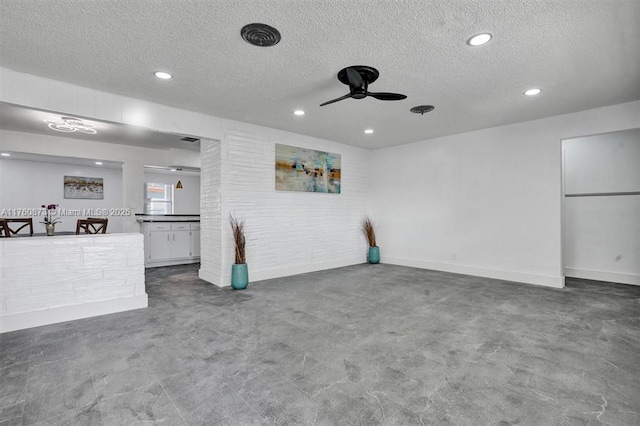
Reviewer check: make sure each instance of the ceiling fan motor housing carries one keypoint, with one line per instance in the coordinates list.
(358, 78)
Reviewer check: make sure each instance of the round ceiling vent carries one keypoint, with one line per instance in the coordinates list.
(421, 109)
(261, 35)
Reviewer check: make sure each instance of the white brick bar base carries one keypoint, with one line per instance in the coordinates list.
(46, 280)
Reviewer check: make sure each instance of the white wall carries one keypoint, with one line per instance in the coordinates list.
(485, 203)
(491, 198)
(30, 184)
(602, 233)
(187, 199)
(134, 159)
(287, 232)
(607, 162)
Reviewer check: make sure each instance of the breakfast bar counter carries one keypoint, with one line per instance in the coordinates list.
(46, 280)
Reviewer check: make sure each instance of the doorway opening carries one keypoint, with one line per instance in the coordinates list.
(601, 207)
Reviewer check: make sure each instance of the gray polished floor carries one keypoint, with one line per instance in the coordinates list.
(362, 345)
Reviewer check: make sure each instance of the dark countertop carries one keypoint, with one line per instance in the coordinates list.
(171, 221)
(166, 215)
(44, 234)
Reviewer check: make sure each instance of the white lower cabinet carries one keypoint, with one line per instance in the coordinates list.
(169, 243)
(180, 240)
(159, 245)
(195, 240)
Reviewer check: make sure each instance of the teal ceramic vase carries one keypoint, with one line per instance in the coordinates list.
(374, 255)
(239, 276)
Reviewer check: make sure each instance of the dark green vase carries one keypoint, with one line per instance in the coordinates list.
(374, 255)
(239, 276)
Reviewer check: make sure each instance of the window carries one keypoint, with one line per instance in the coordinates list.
(158, 198)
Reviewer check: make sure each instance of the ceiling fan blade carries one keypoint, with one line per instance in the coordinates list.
(384, 96)
(336, 99)
(354, 77)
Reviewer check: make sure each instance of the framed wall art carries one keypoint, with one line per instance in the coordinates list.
(307, 170)
(80, 187)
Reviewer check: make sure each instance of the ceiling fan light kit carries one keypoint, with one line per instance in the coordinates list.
(358, 78)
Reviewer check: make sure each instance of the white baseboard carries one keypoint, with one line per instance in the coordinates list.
(608, 276)
(22, 320)
(521, 277)
(267, 274)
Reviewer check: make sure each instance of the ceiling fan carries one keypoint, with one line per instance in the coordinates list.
(358, 78)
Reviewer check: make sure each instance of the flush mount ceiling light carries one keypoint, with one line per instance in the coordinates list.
(368, 131)
(532, 92)
(70, 125)
(479, 39)
(298, 112)
(163, 75)
(261, 35)
(421, 109)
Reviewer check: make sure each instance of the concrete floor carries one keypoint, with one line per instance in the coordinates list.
(362, 345)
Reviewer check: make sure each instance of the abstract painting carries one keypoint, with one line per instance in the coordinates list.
(83, 187)
(307, 170)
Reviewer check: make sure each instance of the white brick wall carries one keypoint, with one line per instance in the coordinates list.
(287, 232)
(44, 280)
(210, 211)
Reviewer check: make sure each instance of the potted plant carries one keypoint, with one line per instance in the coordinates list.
(239, 272)
(49, 222)
(370, 234)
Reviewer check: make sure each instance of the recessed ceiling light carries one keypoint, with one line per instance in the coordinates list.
(368, 131)
(99, 163)
(298, 112)
(5, 154)
(532, 92)
(479, 39)
(173, 170)
(163, 75)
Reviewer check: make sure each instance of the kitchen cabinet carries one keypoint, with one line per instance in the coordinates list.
(171, 243)
(195, 239)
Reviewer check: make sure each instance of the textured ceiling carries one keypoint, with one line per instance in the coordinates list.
(582, 53)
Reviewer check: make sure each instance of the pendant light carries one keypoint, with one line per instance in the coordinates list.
(179, 185)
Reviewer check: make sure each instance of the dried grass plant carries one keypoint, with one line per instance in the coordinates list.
(369, 231)
(237, 228)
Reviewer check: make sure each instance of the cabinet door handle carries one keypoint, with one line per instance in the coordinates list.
(168, 237)
(174, 237)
